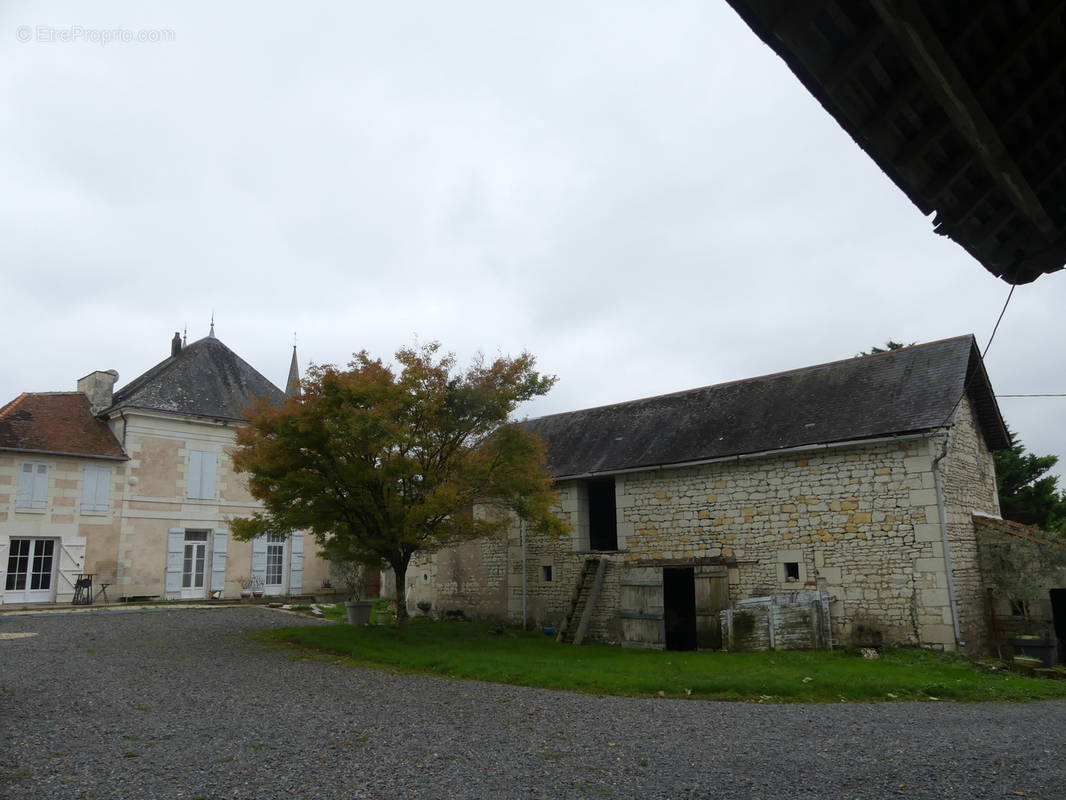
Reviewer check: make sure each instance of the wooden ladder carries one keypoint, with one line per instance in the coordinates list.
(592, 563)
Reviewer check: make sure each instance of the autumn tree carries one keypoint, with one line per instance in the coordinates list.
(380, 465)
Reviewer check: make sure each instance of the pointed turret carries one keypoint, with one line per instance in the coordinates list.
(292, 384)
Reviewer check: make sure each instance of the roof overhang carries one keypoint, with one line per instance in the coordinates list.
(962, 105)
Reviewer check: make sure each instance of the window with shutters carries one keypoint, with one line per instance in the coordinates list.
(95, 489)
(202, 473)
(32, 491)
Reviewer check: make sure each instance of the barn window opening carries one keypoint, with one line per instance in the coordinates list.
(546, 573)
(792, 571)
(603, 527)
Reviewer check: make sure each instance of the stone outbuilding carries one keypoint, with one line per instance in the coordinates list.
(852, 483)
(136, 488)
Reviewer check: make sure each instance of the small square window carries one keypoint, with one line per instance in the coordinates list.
(546, 573)
(792, 571)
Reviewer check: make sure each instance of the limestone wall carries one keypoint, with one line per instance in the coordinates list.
(859, 522)
(969, 483)
(155, 500)
(86, 537)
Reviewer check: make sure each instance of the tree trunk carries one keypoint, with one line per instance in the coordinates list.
(399, 569)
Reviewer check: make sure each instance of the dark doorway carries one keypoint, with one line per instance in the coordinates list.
(1058, 616)
(679, 608)
(603, 528)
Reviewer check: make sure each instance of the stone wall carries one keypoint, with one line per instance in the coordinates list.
(969, 483)
(860, 522)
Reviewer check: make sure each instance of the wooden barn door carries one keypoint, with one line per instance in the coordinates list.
(712, 596)
(641, 607)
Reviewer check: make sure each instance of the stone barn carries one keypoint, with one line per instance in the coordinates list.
(852, 484)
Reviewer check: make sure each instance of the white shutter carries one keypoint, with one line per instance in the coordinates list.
(296, 563)
(259, 561)
(70, 566)
(24, 495)
(208, 472)
(40, 486)
(4, 544)
(175, 554)
(203, 468)
(95, 489)
(218, 562)
(192, 480)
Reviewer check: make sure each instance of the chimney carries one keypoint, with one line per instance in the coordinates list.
(97, 387)
(175, 344)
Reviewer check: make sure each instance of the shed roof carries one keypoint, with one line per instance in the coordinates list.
(204, 379)
(58, 423)
(960, 103)
(910, 390)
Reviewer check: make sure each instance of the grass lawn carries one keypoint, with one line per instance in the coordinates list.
(475, 651)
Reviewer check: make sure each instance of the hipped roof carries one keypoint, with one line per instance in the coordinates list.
(204, 379)
(910, 390)
(56, 423)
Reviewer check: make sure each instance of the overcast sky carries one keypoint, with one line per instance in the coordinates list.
(640, 194)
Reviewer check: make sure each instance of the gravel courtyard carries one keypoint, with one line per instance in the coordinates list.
(179, 704)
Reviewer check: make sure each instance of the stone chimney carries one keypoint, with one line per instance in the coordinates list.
(175, 344)
(97, 386)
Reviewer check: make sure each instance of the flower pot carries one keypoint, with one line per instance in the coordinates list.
(246, 594)
(358, 611)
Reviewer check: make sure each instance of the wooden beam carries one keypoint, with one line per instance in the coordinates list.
(927, 54)
(1035, 23)
(799, 16)
(844, 65)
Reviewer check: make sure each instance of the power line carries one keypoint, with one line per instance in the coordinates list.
(1031, 395)
(969, 379)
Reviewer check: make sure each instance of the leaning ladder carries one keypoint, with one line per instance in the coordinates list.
(590, 602)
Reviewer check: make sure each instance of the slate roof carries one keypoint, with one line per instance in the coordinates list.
(204, 379)
(57, 423)
(902, 391)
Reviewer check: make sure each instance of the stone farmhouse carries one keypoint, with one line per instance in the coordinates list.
(854, 482)
(135, 487)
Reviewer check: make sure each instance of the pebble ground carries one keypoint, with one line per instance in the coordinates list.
(181, 704)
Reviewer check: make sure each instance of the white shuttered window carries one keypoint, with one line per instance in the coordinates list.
(203, 469)
(95, 488)
(33, 485)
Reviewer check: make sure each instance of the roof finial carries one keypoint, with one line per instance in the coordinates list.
(211, 333)
(185, 336)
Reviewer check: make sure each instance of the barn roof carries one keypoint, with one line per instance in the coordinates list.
(910, 390)
(204, 379)
(960, 103)
(57, 423)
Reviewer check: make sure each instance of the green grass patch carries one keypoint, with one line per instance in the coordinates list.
(477, 652)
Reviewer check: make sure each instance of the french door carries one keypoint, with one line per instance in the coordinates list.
(275, 563)
(193, 565)
(31, 569)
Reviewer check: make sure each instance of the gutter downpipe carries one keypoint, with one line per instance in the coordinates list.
(522, 530)
(948, 568)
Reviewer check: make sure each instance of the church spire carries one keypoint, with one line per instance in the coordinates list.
(292, 384)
